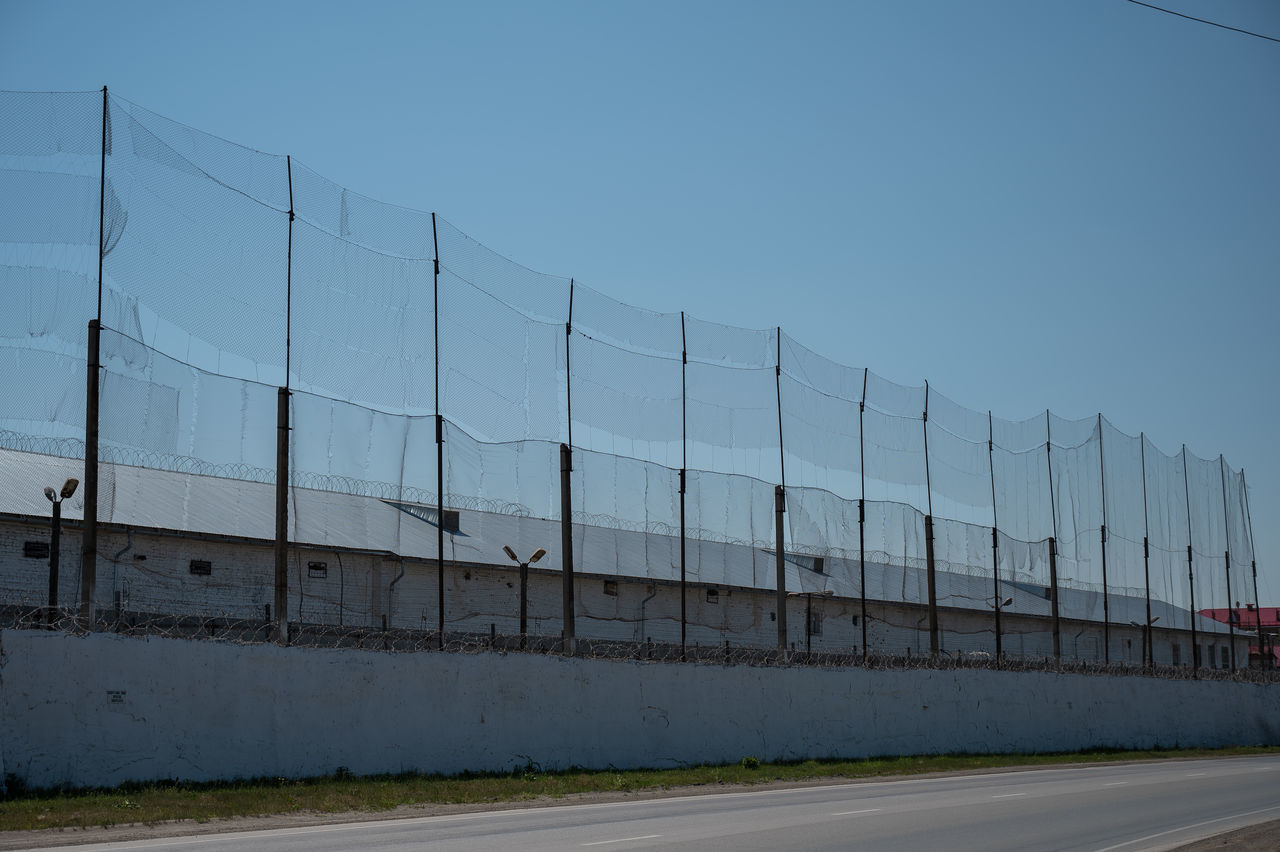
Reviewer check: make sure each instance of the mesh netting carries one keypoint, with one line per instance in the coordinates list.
(229, 274)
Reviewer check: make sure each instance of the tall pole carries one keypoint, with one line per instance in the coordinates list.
(89, 540)
(780, 508)
(1149, 657)
(282, 441)
(1053, 543)
(566, 498)
(995, 532)
(1106, 606)
(684, 467)
(1191, 579)
(931, 574)
(777, 381)
(862, 512)
(1232, 614)
(435, 312)
(1253, 559)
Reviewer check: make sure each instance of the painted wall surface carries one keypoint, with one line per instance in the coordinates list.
(103, 709)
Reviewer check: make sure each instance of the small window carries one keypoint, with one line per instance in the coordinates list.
(317, 570)
(1177, 654)
(855, 621)
(819, 564)
(201, 567)
(713, 596)
(1226, 657)
(450, 521)
(815, 624)
(611, 588)
(35, 549)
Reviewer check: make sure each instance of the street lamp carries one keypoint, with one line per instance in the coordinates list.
(524, 584)
(808, 614)
(1148, 651)
(56, 498)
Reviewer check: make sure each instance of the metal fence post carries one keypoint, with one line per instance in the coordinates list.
(282, 517)
(1232, 614)
(930, 567)
(779, 508)
(684, 468)
(1149, 655)
(1191, 578)
(862, 513)
(1053, 598)
(1253, 561)
(1106, 604)
(89, 539)
(1053, 542)
(435, 311)
(995, 534)
(282, 442)
(566, 547)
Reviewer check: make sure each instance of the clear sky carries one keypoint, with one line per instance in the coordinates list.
(1071, 204)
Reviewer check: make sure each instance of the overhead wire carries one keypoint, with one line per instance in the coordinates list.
(1203, 21)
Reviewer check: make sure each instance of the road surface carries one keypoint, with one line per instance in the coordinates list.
(1116, 808)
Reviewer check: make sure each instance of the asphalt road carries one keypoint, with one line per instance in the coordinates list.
(1112, 808)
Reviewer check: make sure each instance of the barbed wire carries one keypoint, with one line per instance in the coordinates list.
(246, 631)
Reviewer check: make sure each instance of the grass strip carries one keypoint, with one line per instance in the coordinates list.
(343, 792)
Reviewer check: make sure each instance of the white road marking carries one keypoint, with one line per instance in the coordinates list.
(1007, 795)
(1196, 774)
(1115, 783)
(851, 813)
(622, 840)
(1188, 828)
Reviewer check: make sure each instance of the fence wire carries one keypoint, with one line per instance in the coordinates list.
(426, 373)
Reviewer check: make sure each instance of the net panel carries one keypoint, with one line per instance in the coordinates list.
(200, 261)
(821, 426)
(1169, 534)
(732, 400)
(502, 373)
(1209, 532)
(50, 163)
(626, 403)
(216, 432)
(363, 323)
(1078, 511)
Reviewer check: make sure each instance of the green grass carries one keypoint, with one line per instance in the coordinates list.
(343, 792)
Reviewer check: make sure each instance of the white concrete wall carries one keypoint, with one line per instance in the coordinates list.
(102, 709)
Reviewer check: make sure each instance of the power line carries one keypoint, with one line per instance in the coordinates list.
(1203, 21)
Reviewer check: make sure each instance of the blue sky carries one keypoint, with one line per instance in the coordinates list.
(1072, 205)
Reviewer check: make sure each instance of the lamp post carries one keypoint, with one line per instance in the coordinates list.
(1148, 652)
(524, 585)
(56, 498)
(808, 614)
(999, 605)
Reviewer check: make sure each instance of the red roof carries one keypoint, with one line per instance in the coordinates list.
(1245, 617)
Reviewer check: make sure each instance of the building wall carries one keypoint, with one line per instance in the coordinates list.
(102, 709)
(151, 572)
